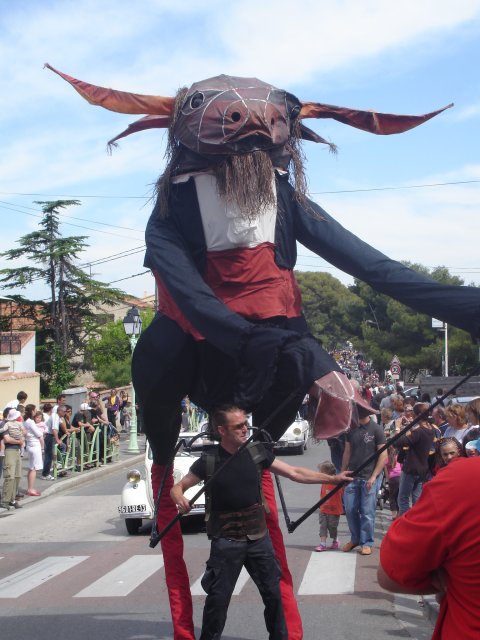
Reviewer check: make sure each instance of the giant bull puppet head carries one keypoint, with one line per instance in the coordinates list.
(230, 115)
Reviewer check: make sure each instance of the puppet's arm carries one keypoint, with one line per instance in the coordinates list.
(457, 305)
(168, 254)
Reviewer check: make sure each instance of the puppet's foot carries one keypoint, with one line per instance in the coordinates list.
(334, 404)
(176, 574)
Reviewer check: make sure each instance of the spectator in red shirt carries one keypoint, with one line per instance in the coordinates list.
(434, 547)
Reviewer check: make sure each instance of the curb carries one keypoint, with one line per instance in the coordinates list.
(82, 478)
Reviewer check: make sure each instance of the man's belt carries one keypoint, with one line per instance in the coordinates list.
(245, 524)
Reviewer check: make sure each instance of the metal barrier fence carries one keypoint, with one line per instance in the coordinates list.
(82, 451)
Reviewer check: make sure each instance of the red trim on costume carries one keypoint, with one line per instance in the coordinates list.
(248, 281)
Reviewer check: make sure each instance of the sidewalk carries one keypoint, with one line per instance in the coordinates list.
(47, 488)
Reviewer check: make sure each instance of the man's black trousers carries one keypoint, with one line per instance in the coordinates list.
(227, 557)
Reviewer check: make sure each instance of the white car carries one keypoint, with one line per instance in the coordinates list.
(137, 501)
(295, 438)
(462, 400)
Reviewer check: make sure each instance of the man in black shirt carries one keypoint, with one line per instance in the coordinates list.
(236, 521)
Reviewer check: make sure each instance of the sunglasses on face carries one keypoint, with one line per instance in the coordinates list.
(239, 425)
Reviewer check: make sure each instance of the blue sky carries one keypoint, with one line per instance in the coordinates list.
(410, 57)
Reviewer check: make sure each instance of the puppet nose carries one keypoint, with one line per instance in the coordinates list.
(253, 117)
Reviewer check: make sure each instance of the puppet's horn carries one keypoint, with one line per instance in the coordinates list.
(119, 101)
(372, 121)
(148, 122)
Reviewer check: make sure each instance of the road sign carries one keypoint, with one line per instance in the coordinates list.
(395, 360)
(395, 369)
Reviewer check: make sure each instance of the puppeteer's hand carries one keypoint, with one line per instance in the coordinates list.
(181, 502)
(184, 506)
(343, 476)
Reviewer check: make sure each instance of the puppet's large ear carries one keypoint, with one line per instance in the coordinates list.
(372, 121)
(119, 101)
(148, 122)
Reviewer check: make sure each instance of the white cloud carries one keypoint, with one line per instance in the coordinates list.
(468, 112)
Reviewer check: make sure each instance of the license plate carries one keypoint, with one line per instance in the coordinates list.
(133, 508)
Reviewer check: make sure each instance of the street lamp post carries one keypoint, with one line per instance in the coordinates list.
(132, 323)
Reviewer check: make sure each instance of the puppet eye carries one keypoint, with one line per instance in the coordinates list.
(236, 116)
(294, 111)
(197, 100)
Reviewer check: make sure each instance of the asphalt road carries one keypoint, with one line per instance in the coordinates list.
(68, 568)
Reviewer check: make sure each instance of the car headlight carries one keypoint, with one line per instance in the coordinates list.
(177, 475)
(297, 431)
(134, 475)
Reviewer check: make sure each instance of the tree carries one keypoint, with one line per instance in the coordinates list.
(390, 328)
(69, 318)
(332, 311)
(109, 353)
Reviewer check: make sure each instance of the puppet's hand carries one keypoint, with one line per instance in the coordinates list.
(334, 405)
(279, 359)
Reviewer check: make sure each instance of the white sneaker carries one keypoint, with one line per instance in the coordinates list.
(48, 478)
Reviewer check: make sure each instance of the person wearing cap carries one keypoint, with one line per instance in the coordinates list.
(472, 448)
(82, 420)
(13, 436)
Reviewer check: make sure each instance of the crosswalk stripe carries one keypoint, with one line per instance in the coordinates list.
(123, 579)
(196, 588)
(326, 573)
(37, 574)
(329, 573)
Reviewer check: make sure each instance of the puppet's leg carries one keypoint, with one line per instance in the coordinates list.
(290, 607)
(162, 366)
(176, 573)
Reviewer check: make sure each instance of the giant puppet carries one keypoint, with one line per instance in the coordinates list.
(221, 243)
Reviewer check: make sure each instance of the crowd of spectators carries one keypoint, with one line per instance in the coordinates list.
(31, 432)
(436, 438)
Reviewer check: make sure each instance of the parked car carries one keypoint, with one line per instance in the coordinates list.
(463, 400)
(137, 501)
(295, 438)
(412, 391)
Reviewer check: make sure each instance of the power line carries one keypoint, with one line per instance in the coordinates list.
(65, 215)
(118, 197)
(411, 186)
(62, 195)
(114, 256)
(71, 224)
(135, 275)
